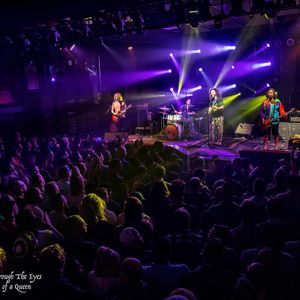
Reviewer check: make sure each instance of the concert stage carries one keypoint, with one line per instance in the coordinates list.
(232, 148)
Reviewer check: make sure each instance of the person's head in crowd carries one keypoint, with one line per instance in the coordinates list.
(3, 261)
(33, 196)
(37, 180)
(200, 173)
(194, 184)
(103, 193)
(221, 232)
(18, 189)
(131, 242)
(244, 290)
(198, 162)
(293, 183)
(131, 271)
(218, 194)
(116, 166)
(183, 292)
(133, 209)
(259, 187)
(158, 173)
(280, 177)
(106, 157)
(158, 193)
(138, 195)
(177, 189)
(141, 172)
(64, 173)
(172, 175)
(76, 227)
(77, 184)
(213, 252)
(181, 220)
(120, 194)
(92, 209)
(162, 251)
(237, 164)
(274, 208)
(51, 189)
(76, 158)
(82, 168)
(52, 260)
(272, 235)
(122, 153)
(59, 202)
(176, 297)
(107, 262)
(258, 275)
(27, 221)
(248, 209)
(8, 207)
(228, 170)
(228, 192)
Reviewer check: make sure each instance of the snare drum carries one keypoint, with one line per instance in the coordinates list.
(171, 119)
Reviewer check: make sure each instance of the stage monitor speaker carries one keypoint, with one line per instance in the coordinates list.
(244, 129)
(115, 136)
(284, 130)
(294, 129)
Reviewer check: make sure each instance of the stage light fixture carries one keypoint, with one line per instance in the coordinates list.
(171, 54)
(200, 69)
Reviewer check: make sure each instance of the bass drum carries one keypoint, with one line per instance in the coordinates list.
(171, 132)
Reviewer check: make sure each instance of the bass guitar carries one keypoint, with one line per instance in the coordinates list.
(266, 123)
(121, 114)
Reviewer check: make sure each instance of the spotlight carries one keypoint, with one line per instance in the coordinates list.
(72, 47)
(169, 71)
(171, 54)
(232, 67)
(200, 69)
(172, 89)
(268, 45)
(198, 51)
(130, 48)
(193, 19)
(234, 86)
(52, 79)
(229, 47)
(268, 85)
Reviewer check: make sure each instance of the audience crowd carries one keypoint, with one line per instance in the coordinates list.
(135, 222)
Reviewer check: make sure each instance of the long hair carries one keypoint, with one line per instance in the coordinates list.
(119, 96)
(92, 209)
(271, 89)
(218, 93)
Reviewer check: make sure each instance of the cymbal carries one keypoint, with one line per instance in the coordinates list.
(164, 108)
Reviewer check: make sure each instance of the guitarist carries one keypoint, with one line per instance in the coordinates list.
(216, 111)
(118, 109)
(270, 111)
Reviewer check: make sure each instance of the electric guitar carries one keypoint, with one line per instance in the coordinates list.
(266, 123)
(120, 114)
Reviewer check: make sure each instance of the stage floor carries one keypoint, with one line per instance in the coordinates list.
(228, 151)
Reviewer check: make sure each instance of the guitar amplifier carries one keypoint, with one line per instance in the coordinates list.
(295, 119)
(284, 130)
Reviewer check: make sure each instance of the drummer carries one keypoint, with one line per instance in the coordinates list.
(187, 116)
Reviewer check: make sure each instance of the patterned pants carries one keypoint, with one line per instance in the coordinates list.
(216, 129)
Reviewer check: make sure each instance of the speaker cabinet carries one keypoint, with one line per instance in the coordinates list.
(115, 136)
(284, 130)
(244, 129)
(294, 129)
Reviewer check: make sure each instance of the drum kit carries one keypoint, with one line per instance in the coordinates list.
(173, 125)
